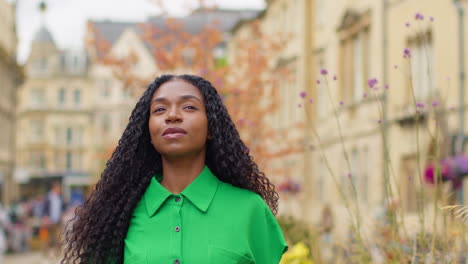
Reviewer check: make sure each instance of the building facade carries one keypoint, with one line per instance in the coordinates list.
(361, 141)
(10, 78)
(55, 132)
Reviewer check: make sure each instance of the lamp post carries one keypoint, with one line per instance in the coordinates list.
(461, 109)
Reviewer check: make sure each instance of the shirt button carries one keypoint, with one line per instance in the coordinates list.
(177, 199)
(177, 229)
(176, 261)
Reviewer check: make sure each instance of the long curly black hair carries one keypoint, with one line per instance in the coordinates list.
(100, 225)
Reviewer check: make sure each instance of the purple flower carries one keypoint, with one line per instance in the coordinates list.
(418, 16)
(386, 86)
(419, 105)
(311, 101)
(318, 81)
(372, 82)
(364, 95)
(431, 19)
(379, 121)
(324, 72)
(299, 105)
(406, 53)
(348, 175)
(303, 94)
(335, 78)
(395, 66)
(435, 103)
(407, 24)
(341, 103)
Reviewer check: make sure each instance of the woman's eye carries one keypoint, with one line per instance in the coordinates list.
(158, 110)
(190, 107)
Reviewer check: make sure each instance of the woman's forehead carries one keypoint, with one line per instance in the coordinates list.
(176, 88)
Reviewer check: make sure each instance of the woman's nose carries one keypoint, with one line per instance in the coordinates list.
(173, 115)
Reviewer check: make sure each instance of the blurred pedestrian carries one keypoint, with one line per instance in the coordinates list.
(4, 223)
(326, 232)
(51, 220)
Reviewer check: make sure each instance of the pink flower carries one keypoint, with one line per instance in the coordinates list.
(372, 82)
(418, 16)
(303, 94)
(406, 53)
(324, 72)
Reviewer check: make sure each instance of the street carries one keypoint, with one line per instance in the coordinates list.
(28, 258)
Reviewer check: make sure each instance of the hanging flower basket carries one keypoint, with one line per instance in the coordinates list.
(452, 169)
(289, 186)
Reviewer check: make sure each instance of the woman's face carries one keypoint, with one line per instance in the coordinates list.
(178, 124)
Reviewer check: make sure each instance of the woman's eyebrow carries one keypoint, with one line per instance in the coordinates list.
(183, 97)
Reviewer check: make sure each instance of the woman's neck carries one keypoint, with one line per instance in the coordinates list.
(178, 173)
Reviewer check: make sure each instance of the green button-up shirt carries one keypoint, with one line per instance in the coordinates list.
(209, 222)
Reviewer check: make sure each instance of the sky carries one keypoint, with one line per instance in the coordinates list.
(66, 19)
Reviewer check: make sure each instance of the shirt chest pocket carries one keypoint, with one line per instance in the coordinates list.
(220, 255)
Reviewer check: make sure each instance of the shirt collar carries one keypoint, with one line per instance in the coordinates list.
(200, 192)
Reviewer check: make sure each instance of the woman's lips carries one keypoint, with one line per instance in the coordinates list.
(174, 132)
(173, 135)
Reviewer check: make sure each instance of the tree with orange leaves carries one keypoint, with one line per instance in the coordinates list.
(247, 78)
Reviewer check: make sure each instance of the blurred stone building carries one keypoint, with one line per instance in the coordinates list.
(356, 41)
(55, 118)
(10, 78)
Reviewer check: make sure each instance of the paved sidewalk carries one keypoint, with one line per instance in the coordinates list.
(28, 258)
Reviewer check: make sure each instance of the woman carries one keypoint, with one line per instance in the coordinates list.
(180, 188)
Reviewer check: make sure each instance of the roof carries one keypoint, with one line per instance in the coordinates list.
(111, 30)
(193, 23)
(43, 36)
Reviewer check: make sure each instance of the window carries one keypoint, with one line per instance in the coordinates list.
(354, 67)
(358, 82)
(106, 123)
(354, 35)
(355, 170)
(105, 89)
(38, 97)
(321, 179)
(69, 136)
(37, 130)
(37, 160)
(421, 66)
(77, 96)
(42, 65)
(408, 183)
(321, 13)
(321, 92)
(69, 161)
(61, 96)
(58, 135)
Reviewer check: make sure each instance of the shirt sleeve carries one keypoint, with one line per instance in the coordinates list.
(267, 242)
